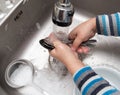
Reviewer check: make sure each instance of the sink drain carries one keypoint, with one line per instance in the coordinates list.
(19, 73)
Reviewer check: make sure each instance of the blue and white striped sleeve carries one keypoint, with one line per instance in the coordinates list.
(89, 83)
(108, 25)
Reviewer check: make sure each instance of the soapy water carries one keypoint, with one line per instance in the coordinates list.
(53, 82)
(20, 75)
(45, 81)
(28, 81)
(57, 66)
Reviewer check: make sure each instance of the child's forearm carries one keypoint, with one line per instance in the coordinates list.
(108, 25)
(89, 83)
(74, 65)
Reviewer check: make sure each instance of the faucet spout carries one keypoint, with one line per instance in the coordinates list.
(63, 13)
(64, 1)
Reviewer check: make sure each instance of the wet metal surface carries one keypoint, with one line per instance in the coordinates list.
(31, 21)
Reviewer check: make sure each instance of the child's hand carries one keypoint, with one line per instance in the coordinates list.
(63, 53)
(66, 55)
(82, 33)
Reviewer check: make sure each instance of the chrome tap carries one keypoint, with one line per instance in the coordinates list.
(64, 1)
(62, 13)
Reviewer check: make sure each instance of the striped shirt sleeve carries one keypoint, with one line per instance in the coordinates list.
(89, 83)
(108, 25)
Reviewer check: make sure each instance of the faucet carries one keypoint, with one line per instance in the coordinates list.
(63, 13)
(64, 1)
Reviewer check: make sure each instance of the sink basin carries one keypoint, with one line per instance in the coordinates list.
(31, 21)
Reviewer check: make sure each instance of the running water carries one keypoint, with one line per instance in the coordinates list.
(61, 33)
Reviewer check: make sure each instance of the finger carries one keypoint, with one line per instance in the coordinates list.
(84, 50)
(76, 43)
(52, 52)
(56, 44)
(72, 35)
(80, 50)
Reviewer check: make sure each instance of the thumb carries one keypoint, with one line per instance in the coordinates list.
(56, 44)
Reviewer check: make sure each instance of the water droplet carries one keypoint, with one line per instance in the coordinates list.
(38, 26)
(6, 27)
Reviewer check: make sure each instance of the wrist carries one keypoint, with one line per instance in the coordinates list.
(93, 24)
(74, 66)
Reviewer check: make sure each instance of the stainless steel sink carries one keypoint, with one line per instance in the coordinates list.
(29, 22)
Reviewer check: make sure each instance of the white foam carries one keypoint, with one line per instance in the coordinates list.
(22, 76)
